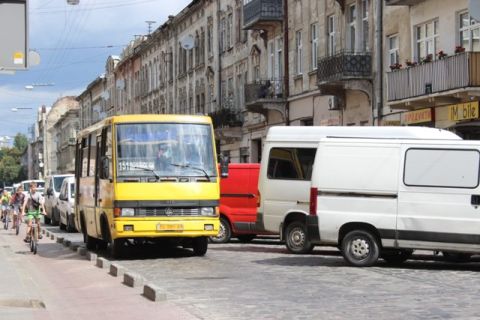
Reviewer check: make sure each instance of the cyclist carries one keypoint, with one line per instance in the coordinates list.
(17, 203)
(5, 201)
(33, 208)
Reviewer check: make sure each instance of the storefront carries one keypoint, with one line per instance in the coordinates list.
(465, 117)
(422, 117)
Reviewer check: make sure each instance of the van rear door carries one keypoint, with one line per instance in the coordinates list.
(438, 205)
(287, 185)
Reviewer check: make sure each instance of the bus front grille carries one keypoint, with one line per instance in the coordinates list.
(152, 212)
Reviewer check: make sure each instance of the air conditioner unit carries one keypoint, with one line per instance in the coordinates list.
(333, 103)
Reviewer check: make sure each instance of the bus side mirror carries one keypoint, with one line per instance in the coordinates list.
(224, 167)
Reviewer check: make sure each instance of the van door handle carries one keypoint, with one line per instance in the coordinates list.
(475, 200)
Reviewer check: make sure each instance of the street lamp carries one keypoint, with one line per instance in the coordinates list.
(33, 85)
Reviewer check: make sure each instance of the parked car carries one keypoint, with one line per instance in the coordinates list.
(238, 203)
(9, 189)
(40, 186)
(53, 184)
(372, 192)
(66, 204)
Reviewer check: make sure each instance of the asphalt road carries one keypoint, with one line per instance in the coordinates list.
(261, 280)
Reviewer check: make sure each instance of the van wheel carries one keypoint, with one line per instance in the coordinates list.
(296, 238)
(200, 246)
(225, 232)
(456, 257)
(70, 224)
(396, 256)
(54, 220)
(47, 220)
(360, 248)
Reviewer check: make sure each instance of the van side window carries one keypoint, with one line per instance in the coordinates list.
(291, 163)
(444, 168)
(84, 165)
(93, 155)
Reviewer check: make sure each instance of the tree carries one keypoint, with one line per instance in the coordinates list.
(10, 169)
(20, 142)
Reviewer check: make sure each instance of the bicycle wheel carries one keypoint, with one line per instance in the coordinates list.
(17, 225)
(7, 218)
(35, 239)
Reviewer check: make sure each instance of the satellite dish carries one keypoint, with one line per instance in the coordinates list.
(474, 9)
(33, 58)
(187, 42)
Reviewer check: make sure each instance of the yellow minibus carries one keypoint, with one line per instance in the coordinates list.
(147, 177)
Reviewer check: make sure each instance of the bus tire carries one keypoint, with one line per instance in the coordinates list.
(200, 246)
(115, 248)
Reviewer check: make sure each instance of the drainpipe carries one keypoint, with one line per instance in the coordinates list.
(378, 80)
(286, 74)
(219, 55)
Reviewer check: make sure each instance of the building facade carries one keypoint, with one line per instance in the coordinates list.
(438, 83)
(66, 128)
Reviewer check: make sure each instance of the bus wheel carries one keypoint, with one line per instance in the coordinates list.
(297, 239)
(116, 248)
(200, 246)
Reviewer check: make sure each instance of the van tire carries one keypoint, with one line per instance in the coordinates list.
(47, 220)
(225, 232)
(296, 238)
(396, 256)
(200, 246)
(360, 248)
(54, 220)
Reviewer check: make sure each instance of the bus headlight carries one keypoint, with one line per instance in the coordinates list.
(128, 212)
(207, 211)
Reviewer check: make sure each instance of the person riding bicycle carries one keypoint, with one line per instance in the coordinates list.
(17, 202)
(33, 207)
(5, 201)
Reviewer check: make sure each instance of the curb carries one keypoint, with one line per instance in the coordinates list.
(131, 279)
(154, 293)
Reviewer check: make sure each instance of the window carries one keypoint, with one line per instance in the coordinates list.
(291, 163)
(314, 39)
(271, 59)
(352, 28)
(210, 39)
(426, 36)
(393, 50)
(229, 31)
(85, 151)
(469, 32)
(222, 35)
(307, 122)
(442, 168)
(279, 59)
(299, 51)
(331, 46)
(365, 28)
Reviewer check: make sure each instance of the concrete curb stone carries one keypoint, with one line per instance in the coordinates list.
(67, 242)
(59, 239)
(82, 251)
(132, 279)
(103, 263)
(154, 293)
(91, 256)
(116, 270)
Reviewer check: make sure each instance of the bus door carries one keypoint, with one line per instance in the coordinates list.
(98, 200)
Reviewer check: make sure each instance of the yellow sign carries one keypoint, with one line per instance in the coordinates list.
(418, 116)
(463, 111)
(391, 123)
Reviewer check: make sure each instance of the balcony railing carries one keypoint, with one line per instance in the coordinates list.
(402, 2)
(264, 90)
(344, 66)
(453, 72)
(258, 12)
(226, 117)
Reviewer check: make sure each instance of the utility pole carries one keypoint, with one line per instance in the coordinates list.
(150, 23)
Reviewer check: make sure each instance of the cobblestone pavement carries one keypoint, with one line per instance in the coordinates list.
(261, 280)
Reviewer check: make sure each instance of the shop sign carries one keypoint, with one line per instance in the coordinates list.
(418, 116)
(463, 111)
(391, 123)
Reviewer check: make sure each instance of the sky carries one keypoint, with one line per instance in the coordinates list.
(74, 43)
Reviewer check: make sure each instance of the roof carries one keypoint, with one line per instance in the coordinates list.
(313, 134)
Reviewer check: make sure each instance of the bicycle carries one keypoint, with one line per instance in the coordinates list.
(34, 236)
(16, 220)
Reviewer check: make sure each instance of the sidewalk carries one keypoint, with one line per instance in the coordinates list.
(59, 284)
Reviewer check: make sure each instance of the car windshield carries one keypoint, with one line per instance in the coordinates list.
(57, 183)
(40, 185)
(72, 190)
(164, 149)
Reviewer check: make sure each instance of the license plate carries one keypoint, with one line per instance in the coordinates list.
(169, 227)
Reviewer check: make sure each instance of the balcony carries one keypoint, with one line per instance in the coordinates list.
(263, 96)
(227, 123)
(262, 14)
(345, 71)
(456, 72)
(402, 2)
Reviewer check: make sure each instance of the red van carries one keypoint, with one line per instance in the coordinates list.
(238, 203)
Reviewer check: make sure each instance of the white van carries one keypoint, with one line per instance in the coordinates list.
(52, 188)
(371, 190)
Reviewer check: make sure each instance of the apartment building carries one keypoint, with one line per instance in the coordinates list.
(438, 48)
(66, 129)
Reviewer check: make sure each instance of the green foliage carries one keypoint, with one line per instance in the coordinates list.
(20, 142)
(11, 170)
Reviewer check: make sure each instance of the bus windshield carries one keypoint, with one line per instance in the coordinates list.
(165, 149)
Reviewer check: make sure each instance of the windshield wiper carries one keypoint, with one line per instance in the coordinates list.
(149, 170)
(190, 167)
